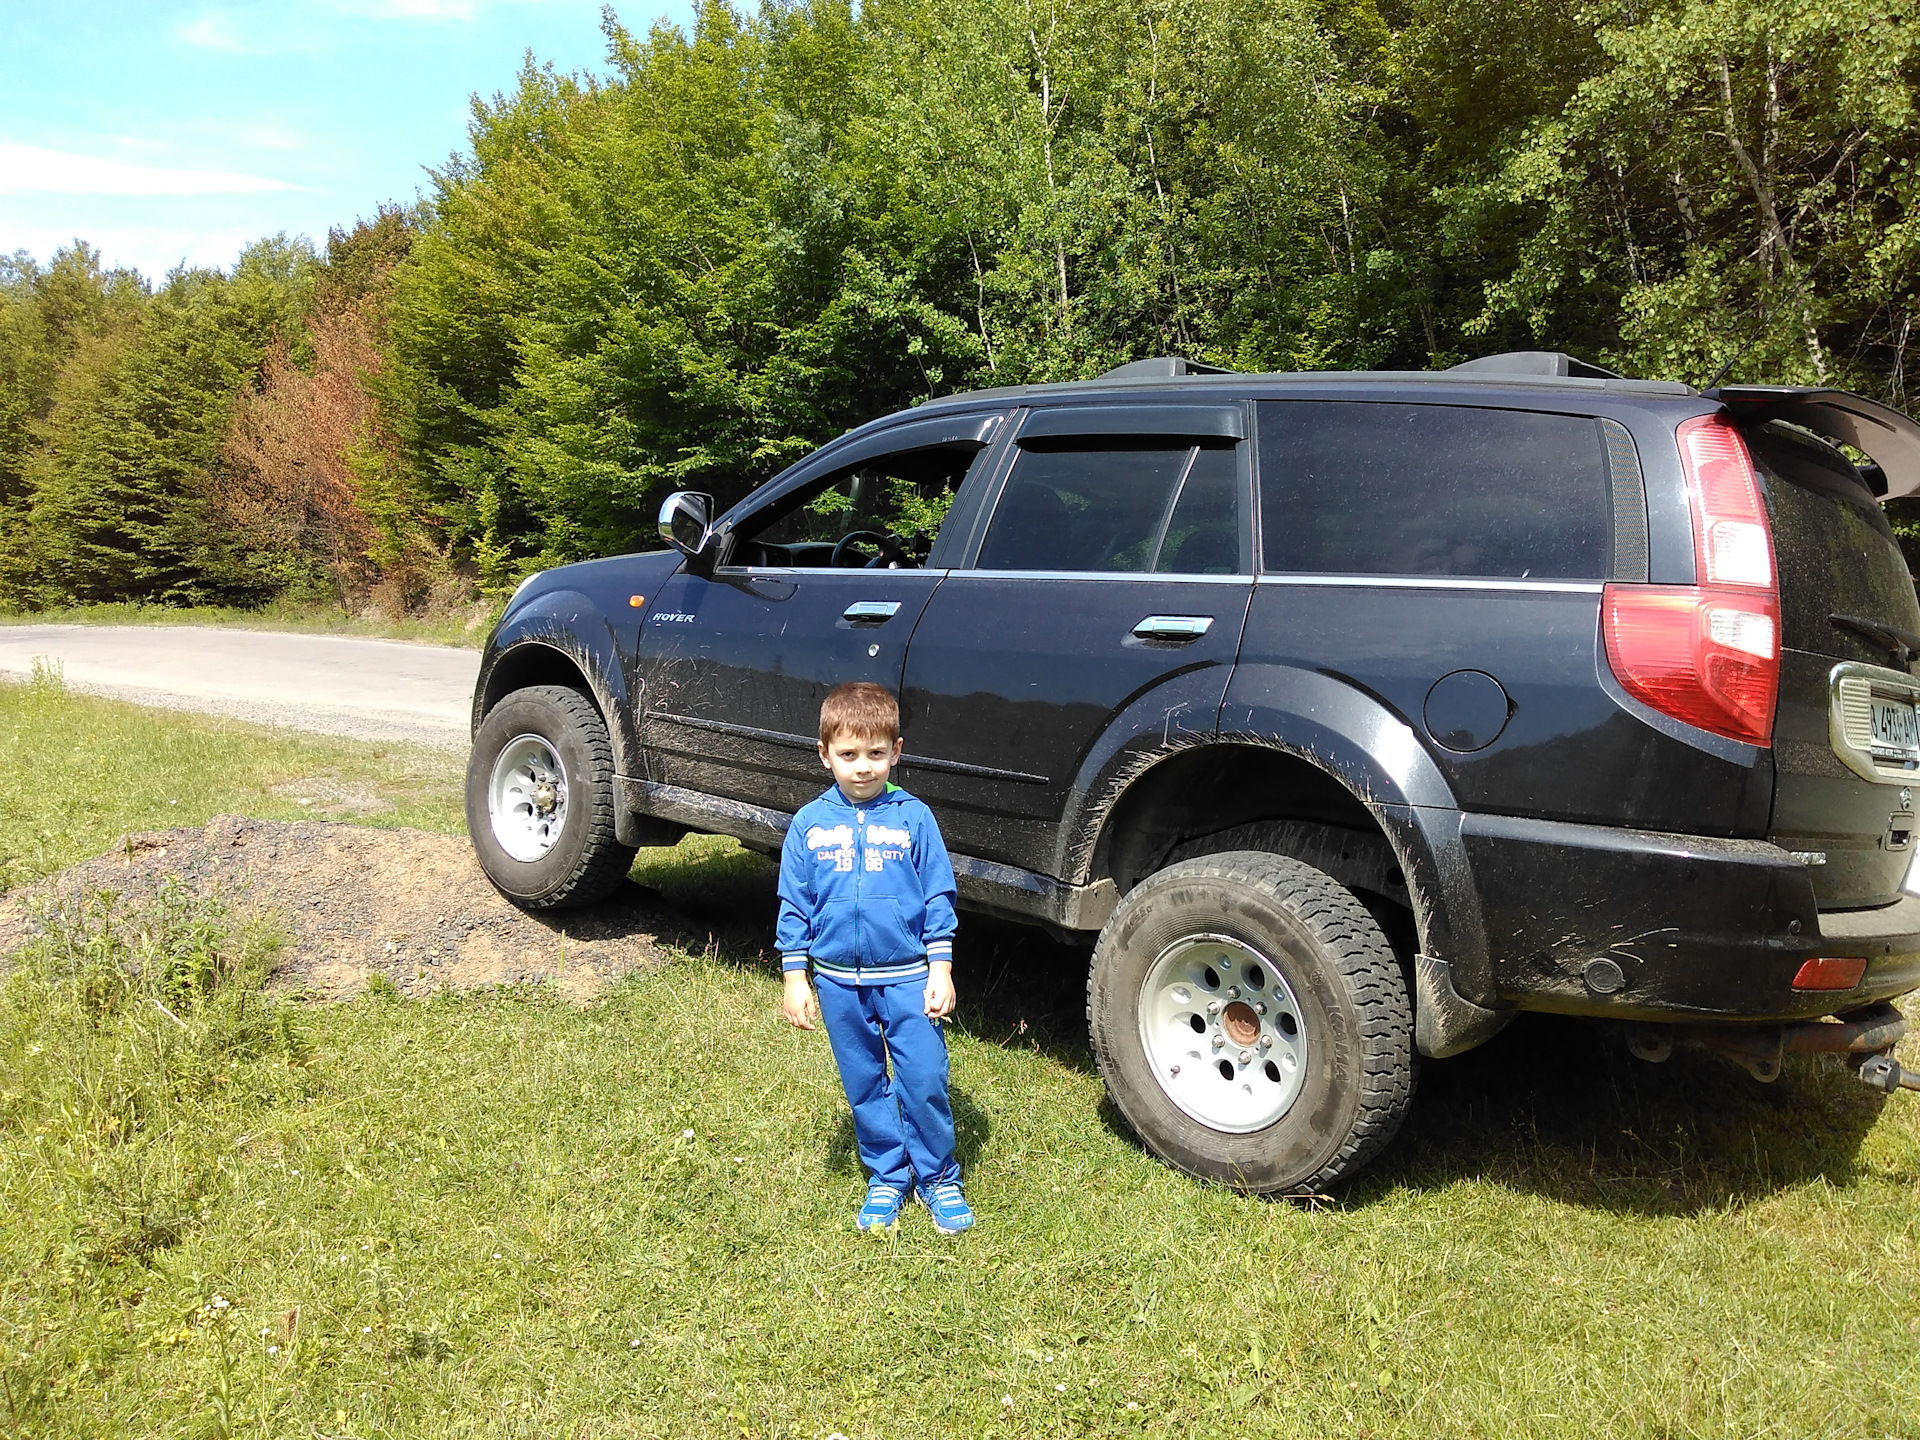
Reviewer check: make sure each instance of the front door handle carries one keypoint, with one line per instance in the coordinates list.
(870, 612)
(1182, 628)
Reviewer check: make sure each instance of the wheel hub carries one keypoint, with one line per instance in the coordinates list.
(1221, 1029)
(1239, 1022)
(527, 797)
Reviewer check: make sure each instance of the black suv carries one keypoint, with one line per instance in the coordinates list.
(1352, 714)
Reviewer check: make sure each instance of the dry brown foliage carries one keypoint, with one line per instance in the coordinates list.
(287, 485)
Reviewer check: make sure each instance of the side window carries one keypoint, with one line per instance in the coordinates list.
(1361, 488)
(1117, 508)
(885, 511)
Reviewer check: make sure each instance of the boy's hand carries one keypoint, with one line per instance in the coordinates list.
(939, 989)
(799, 1006)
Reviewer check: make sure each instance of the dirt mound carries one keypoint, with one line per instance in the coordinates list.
(355, 902)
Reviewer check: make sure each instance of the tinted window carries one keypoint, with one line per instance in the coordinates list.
(1378, 489)
(1120, 508)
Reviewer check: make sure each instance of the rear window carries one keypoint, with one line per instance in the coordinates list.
(1362, 488)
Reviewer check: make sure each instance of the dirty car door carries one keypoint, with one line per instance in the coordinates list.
(1113, 576)
(735, 663)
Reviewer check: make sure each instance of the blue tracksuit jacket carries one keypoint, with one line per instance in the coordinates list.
(866, 890)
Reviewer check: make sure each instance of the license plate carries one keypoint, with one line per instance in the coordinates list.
(1896, 729)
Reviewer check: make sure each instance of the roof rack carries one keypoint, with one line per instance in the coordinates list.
(1537, 362)
(1161, 368)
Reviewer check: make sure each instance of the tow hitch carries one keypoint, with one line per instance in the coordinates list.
(1883, 1072)
(1759, 1049)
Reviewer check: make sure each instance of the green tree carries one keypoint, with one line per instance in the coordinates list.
(115, 504)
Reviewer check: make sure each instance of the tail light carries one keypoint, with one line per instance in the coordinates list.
(1708, 653)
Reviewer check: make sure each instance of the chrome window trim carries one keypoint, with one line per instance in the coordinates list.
(786, 572)
(1153, 576)
(1441, 582)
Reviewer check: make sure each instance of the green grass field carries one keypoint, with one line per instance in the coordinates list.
(495, 1215)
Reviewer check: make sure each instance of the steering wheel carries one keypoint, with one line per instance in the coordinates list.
(891, 547)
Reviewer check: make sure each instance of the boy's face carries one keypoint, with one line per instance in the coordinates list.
(860, 763)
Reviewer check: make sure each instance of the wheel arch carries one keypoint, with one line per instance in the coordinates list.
(1296, 746)
(560, 639)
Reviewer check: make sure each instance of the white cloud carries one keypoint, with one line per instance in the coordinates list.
(28, 168)
(214, 30)
(153, 251)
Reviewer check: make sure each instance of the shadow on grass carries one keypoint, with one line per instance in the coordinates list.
(1557, 1107)
(1552, 1106)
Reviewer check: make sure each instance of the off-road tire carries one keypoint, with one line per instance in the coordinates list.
(587, 861)
(1353, 1009)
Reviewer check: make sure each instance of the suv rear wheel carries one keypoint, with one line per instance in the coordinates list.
(540, 801)
(1251, 1023)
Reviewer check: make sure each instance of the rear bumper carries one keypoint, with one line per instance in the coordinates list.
(1695, 928)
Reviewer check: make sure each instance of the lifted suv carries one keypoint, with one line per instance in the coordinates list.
(1352, 714)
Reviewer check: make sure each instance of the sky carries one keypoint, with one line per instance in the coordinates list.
(162, 132)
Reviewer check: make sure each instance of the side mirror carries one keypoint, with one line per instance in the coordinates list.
(685, 521)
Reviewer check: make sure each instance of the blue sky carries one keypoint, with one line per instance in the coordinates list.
(163, 131)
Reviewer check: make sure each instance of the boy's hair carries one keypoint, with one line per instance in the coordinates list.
(862, 709)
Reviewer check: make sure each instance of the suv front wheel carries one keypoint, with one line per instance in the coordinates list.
(1251, 1023)
(540, 802)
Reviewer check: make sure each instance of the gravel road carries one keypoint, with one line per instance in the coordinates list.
(332, 684)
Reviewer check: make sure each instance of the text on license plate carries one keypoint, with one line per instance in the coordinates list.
(1895, 726)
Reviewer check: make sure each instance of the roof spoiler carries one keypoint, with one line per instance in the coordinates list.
(1887, 437)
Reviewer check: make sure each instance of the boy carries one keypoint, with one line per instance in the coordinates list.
(866, 894)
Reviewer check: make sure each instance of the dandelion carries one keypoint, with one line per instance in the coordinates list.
(633, 1344)
(1007, 1400)
(1133, 1404)
(273, 1349)
(264, 1331)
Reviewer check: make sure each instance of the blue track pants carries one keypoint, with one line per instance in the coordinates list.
(903, 1124)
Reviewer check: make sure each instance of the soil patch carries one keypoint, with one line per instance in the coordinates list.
(354, 902)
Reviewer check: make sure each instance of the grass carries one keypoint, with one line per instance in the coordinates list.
(81, 772)
(465, 628)
(495, 1215)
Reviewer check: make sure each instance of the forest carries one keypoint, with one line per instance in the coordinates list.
(730, 245)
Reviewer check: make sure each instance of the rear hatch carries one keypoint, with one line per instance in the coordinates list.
(1846, 739)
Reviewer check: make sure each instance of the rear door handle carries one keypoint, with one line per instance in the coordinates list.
(1173, 627)
(870, 612)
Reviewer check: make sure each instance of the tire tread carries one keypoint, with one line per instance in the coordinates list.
(604, 861)
(1373, 979)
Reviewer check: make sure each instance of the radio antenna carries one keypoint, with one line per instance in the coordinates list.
(1766, 322)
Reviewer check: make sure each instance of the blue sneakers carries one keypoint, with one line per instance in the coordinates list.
(948, 1206)
(882, 1208)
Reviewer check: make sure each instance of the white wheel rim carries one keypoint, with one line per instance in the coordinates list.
(1223, 1034)
(527, 797)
